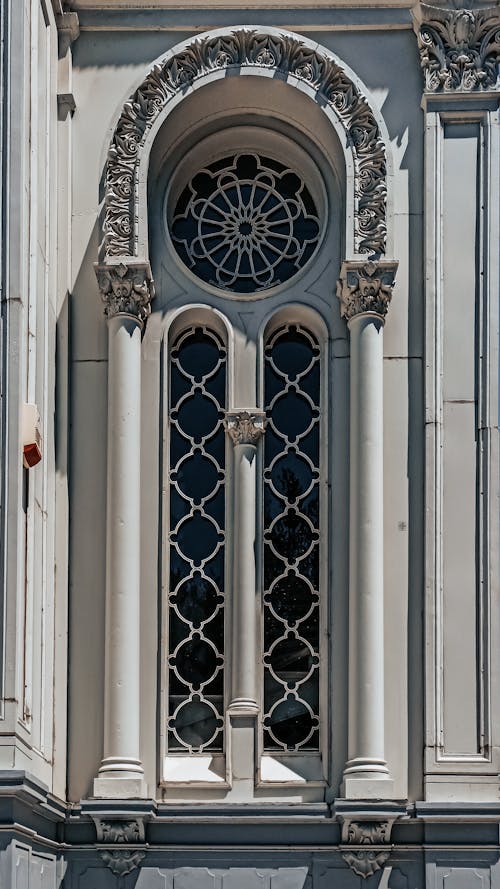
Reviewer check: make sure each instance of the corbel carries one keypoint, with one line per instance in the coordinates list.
(365, 835)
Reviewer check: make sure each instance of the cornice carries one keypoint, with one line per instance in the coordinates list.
(459, 48)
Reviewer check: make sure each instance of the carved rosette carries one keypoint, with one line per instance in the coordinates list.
(245, 427)
(459, 48)
(365, 845)
(126, 289)
(289, 56)
(365, 287)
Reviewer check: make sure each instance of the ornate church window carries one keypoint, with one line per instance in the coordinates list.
(245, 223)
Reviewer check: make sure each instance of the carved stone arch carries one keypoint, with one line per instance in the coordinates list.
(298, 61)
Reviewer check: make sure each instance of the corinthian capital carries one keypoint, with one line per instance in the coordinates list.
(245, 427)
(365, 287)
(459, 48)
(126, 289)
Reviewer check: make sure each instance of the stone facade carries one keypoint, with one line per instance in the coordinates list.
(262, 242)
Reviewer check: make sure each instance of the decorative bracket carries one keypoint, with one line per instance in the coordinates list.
(68, 29)
(245, 427)
(459, 48)
(120, 830)
(365, 833)
(365, 845)
(126, 288)
(122, 862)
(366, 287)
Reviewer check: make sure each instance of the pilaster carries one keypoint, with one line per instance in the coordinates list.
(460, 53)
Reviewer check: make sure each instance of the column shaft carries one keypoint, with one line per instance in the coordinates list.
(121, 772)
(366, 769)
(244, 680)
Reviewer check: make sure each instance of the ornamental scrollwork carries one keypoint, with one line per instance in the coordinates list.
(125, 289)
(293, 60)
(245, 427)
(459, 48)
(120, 831)
(365, 287)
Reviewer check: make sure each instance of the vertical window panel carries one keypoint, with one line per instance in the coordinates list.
(291, 540)
(196, 542)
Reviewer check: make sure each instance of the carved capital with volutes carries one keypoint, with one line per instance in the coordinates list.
(366, 287)
(126, 288)
(459, 48)
(245, 427)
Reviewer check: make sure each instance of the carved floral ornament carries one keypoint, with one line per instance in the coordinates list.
(366, 287)
(294, 59)
(245, 427)
(126, 289)
(365, 845)
(459, 48)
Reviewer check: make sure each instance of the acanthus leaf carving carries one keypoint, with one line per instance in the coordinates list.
(290, 57)
(459, 48)
(365, 863)
(126, 289)
(365, 843)
(366, 287)
(123, 861)
(120, 831)
(245, 427)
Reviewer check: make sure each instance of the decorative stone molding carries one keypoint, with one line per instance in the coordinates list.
(245, 427)
(365, 845)
(122, 862)
(126, 289)
(65, 105)
(291, 58)
(365, 287)
(459, 48)
(119, 830)
(68, 29)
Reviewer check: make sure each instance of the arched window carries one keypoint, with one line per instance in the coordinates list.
(291, 540)
(197, 523)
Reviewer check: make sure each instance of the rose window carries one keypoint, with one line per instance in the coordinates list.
(245, 223)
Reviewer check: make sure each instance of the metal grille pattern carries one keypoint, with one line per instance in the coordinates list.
(291, 541)
(197, 539)
(245, 223)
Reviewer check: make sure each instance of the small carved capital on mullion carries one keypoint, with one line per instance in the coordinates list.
(366, 286)
(245, 427)
(126, 288)
(459, 48)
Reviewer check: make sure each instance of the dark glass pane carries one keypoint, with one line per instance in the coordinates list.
(291, 532)
(197, 524)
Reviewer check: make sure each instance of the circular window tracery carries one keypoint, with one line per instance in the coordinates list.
(245, 223)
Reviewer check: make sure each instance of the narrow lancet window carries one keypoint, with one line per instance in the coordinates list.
(196, 542)
(291, 540)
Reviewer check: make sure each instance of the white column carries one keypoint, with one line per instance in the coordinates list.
(126, 295)
(365, 291)
(245, 429)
